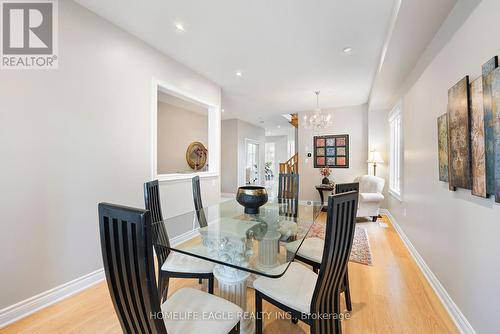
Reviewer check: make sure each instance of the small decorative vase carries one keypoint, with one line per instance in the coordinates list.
(325, 180)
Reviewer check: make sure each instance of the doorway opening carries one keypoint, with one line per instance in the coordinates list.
(281, 146)
(252, 162)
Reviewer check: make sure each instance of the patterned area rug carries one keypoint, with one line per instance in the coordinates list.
(360, 252)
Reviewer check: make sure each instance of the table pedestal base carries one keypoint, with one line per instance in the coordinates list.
(233, 287)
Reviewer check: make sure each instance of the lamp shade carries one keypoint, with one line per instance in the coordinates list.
(375, 157)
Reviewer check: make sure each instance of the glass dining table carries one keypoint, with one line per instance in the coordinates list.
(242, 244)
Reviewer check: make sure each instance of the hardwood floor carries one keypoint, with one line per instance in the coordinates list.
(392, 296)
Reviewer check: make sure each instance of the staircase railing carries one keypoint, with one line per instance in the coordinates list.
(291, 166)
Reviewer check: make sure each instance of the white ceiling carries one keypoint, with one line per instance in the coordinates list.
(415, 26)
(286, 49)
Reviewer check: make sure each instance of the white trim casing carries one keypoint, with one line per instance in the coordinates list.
(214, 129)
(28, 306)
(396, 152)
(255, 142)
(184, 176)
(455, 313)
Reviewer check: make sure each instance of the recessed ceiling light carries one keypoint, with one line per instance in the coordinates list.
(347, 49)
(279, 126)
(179, 27)
(239, 74)
(222, 110)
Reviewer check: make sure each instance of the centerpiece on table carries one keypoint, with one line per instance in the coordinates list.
(325, 172)
(252, 198)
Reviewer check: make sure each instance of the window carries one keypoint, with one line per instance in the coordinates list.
(396, 149)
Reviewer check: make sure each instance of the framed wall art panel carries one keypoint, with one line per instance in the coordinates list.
(331, 151)
(477, 139)
(459, 135)
(489, 136)
(442, 123)
(495, 99)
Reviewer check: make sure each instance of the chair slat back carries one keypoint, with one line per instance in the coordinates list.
(160, 236)
(198, 204)
(341, 223)
(128, 263)
(288, 194)
(345, 187)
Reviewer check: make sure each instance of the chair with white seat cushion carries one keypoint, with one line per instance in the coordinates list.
(311, 253)
(205, 306)
(370, 195)
(307, 296)
(294, 289)
(172, 264)
(311, 249)
(126, 245)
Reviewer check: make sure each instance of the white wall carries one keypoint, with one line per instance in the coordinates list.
(177, 129)
(455, 232)
(76, 136)
(378, 139)
(229, 156)
(233, 155)
(348, 120)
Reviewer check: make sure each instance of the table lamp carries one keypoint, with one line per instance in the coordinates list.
(375, 158)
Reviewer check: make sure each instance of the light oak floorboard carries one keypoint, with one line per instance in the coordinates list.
(392, 296)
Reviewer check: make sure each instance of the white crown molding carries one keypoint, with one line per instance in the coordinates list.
(28, 306)
(456, 315)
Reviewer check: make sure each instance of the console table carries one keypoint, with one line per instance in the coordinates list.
(324, 187)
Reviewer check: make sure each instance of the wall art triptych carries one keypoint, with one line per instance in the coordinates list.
(469, 134)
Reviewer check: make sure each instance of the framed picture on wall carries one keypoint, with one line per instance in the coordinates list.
(331, 151)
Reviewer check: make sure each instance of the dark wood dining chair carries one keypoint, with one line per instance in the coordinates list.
(127, 252)
(311, 250)
(345, 187)
(198, 204)
(309, 254)
(172, 264)
(288, 194)
(307, 296)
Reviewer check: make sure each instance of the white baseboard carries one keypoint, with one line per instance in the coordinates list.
(457, 316)
(184, 237)
(28, 306)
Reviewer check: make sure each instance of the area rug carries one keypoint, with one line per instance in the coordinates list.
(360, 252)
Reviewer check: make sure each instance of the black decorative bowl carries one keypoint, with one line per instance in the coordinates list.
(252, 197)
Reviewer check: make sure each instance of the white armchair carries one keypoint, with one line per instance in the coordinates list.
(370, 195)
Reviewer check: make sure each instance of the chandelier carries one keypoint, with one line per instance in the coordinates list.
(318, 120)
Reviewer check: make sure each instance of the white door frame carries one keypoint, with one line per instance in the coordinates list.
(257, 143)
